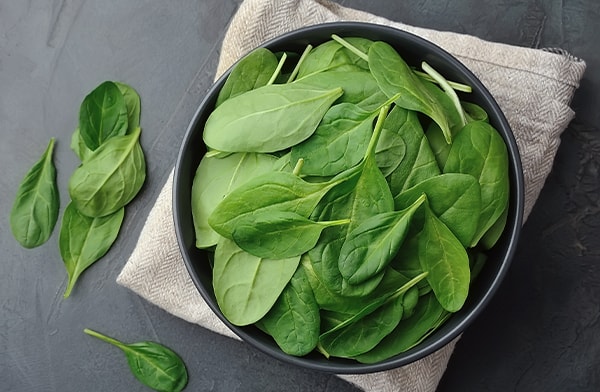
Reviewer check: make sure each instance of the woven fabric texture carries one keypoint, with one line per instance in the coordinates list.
(533, 87)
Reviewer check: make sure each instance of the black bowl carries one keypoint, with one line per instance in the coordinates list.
(414, 50)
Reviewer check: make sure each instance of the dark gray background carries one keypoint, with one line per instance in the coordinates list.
(539, 333)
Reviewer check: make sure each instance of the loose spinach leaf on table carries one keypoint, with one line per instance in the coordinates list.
(132, 104)
(153, 364)
(35, 210)
(84, 240)
(102, 115)
(214, 179)
(277, 116)
(111, 177)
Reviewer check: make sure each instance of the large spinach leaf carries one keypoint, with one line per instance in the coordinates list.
(277, 116)
(111, 177)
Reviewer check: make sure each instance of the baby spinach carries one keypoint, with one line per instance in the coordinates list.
(479, 150)
(445, 259)
(214, 179)
(102, 115)
(370, 247)
(35, 210)
(252, 71)
(111, 177)
(84, 240)
(277, 116)
(153, 364)
(294, 320)
(132, 104)
(394, 76)
(279, 234)
(246, 286)
(455, 198)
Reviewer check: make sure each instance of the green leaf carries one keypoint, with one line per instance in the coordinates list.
(102, 115)
(214, 179)
(246, 286)
(84, 240)
(330, 56)
(479, 150)
(445, 259)
(35, 210)
(394, 76)
(153, 364)
(418, 163)
(427, 316)
(369, 248)
(111, 177)
(277, 234)
(277, 116)
(455, 198)
(133, 105)
(252, 71)
(279, 191)
(294, 319)
(78, 146)
(338, 143)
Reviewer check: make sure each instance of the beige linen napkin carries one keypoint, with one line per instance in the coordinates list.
(533, 87)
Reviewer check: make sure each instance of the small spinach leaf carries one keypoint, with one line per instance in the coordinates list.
(84, 240)
(133, 105)
(153, 364)
(102, 115)
(35, 210)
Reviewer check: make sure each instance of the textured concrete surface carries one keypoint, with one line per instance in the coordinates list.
(538, 334)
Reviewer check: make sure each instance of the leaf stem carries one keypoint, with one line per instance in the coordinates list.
(377, 131)
(104, 338)
(299, 63)
(350, 47)
(278, 69)
(447, 89)
(465, 88)
(298, 167)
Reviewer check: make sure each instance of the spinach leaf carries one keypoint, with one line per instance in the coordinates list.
(479, 150)
(370, 247)
(454, 198)
(35, 209)
(294, 319)
(360, 87)
(78, 146)
(394, 76)
(277, 234)
(362, 331)
(277, 116)
(133, 105)
(214, 179)
(330, 55)
(490, 237)
(246, 286)
(84, 240)
(252, 71)
(279, 191)
(338, 143)
(153, 364)
(418, 163)
(111, 177)
(445, 259)
(410, 331)
(474, 112)
(102, 115)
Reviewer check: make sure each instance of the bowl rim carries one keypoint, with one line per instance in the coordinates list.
(517, 198)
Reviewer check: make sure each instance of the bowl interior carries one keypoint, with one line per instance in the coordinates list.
(414, 50)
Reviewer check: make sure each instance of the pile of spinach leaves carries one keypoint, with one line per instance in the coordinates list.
(349, 199)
